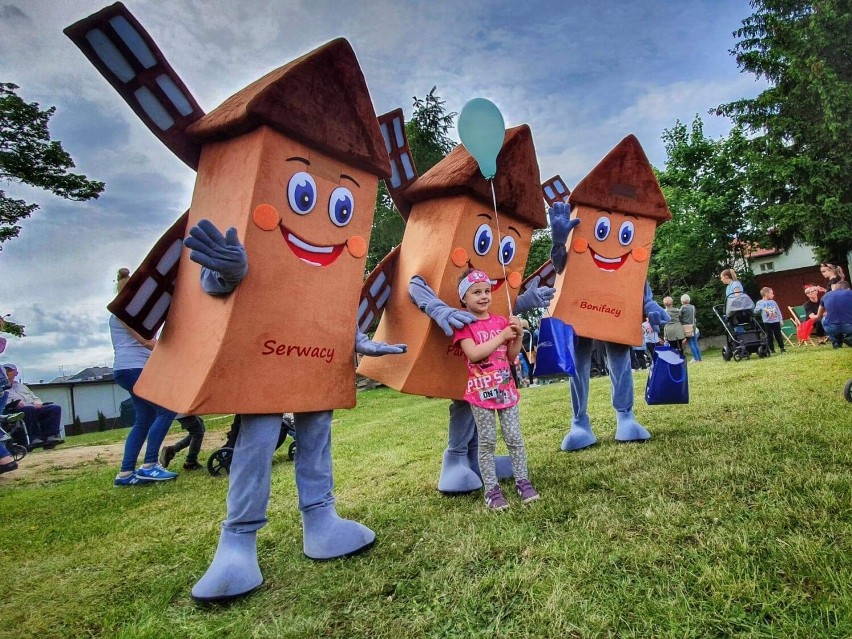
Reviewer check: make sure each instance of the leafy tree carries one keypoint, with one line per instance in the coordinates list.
(8, 326)
(28, 156)
(705, 188)
(427, 137)
(799, 130)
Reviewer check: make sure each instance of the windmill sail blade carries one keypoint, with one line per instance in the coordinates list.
(144, 301)
(547, 274)
(403, 171)
(376, 290)
(124, 53)
(555, 190)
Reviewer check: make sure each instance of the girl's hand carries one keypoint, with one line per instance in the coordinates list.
(515, 325)
(508, 334)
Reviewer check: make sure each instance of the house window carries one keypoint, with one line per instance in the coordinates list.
(767, 267)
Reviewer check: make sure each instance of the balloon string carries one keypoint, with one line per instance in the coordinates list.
(499, 242)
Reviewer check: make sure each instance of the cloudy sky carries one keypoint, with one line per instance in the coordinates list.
(583, 74)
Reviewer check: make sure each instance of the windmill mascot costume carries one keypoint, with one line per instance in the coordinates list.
(451, 226)
(290, 170)
(601, 245)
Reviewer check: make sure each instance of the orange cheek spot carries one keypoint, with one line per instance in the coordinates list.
(514, 279)
(357, 246)
(265, 217)
(640, 253)
(459, 256)
(579, 245)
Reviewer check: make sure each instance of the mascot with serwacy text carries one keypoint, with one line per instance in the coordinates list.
(289, 166)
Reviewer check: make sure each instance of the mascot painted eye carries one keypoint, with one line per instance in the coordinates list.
(341, 206)
(602, 228)
(302, 193)
(625, 233)
(483, 239)
(507, 250)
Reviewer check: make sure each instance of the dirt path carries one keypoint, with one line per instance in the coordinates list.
(65, 458)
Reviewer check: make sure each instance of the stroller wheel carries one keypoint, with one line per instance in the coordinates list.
(726, 354)
(291, 451)
(220, 461)
(737, 355)
(18, 452)
(762, 351)
(847, 390)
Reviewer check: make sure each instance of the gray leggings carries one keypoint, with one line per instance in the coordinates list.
(510, 424)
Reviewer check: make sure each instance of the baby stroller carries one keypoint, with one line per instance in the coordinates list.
(220, 460)
(744, 334)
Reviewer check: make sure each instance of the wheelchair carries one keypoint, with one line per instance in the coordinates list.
(12, 428)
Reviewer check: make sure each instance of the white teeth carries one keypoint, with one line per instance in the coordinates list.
(309, 247)
(608, 260)
(309, 262)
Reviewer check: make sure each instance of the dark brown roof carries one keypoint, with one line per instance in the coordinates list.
(624, 181)
(517, 183)
(319, 99)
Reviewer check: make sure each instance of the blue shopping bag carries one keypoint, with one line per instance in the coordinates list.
(555, 352)
(667, 382)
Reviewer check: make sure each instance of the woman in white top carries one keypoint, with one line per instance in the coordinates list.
(151, 422)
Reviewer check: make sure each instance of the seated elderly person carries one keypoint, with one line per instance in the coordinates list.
(835, 311)
(43, 420)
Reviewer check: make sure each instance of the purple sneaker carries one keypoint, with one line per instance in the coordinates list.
(494, 499)
(526, 491)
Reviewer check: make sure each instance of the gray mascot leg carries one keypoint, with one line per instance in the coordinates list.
(621, 375)
(234, 571)
(580, 436)
(324, 534)
(460, 467)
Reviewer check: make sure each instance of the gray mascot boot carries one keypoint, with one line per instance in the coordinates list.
(234, 571)
(580, 436)
(621, 376)
(460, 471)
(325, 535)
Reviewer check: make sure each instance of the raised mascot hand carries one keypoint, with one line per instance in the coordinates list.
(223, 254)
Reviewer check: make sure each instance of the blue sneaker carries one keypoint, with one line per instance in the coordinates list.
(130, 480)
(155, 473)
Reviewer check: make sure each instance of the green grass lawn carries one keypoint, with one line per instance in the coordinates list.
(735, 520)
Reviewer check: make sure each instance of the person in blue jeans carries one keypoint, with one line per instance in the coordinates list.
(835, 311)
(152, 422)
(690, 328)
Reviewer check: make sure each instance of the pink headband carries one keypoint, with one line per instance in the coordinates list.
(813, 288)
(474, 277)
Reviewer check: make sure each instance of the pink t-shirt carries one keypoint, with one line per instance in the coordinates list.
(489, 382)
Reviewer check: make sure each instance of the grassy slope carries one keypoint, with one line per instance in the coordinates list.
(736, 519)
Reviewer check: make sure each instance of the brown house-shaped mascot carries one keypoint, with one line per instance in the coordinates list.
(450, 226)
(619, 205)
(295, 171)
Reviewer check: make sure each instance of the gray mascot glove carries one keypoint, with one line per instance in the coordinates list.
(560, 226)
(534, 297)
(445, 316)
(656, 314)
(222, 256)
(366, 346)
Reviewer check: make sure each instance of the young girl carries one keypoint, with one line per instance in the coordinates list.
(490, 344)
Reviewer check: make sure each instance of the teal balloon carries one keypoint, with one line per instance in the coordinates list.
(481, 129)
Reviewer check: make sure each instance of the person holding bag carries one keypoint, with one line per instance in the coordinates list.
(690, 329)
